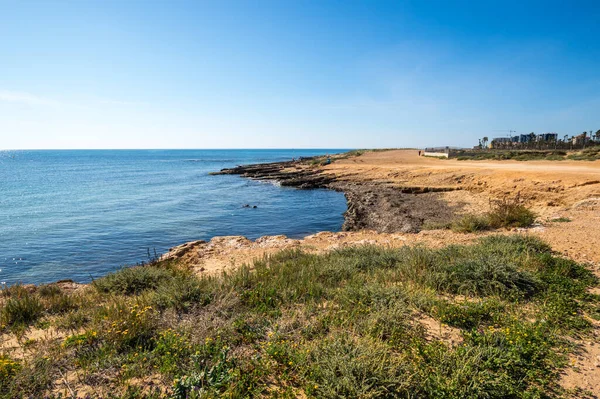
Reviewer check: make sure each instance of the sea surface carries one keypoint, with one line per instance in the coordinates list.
(81, 214)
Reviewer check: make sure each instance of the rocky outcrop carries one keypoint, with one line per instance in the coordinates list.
(290, 173)
(371, 205)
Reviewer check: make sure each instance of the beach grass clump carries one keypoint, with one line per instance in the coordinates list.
(360, 321)
(20, 309)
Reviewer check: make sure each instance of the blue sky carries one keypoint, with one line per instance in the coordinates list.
(294, 74)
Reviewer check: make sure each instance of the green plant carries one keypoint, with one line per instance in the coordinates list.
(182, 291)
(20, 309)
(209, 380)
(133, 280)
(471, 223)
(363, 321)
(126, 326)
(8, 369)
(510, 212)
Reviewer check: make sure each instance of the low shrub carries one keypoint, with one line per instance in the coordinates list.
(346, 323)
(345, 367)
(510, 212)
(133, 280)
(20, 309)
(125, 326)
(471, 224)
(486, 276)
(181, 292)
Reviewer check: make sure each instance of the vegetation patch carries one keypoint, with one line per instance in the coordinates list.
(341, 324)
(587, 154)
(505, 213)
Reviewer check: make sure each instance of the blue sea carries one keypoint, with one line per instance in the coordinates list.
(81, 214)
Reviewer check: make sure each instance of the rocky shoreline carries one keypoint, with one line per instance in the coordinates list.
(371, 205)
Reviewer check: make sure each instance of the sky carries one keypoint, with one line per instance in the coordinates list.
(294, 74)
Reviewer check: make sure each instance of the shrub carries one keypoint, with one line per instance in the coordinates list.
(356, 368)
(133, 280)
(181, 292)
(509, 212)
(486, 276)
(127, 326)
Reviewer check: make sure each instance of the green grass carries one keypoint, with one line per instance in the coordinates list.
(20, 308)
(561, 220)
(340, 324)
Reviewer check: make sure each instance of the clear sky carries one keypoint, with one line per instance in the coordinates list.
(292, 74)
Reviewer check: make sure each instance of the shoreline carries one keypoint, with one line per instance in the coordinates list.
(371, 205)
(237, 275)
(376, 202)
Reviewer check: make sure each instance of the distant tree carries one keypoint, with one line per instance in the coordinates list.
(584, 134)
(598, 135)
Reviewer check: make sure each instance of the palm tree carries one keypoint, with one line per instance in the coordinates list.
(485, 141)
(531, 142)
(597, 135)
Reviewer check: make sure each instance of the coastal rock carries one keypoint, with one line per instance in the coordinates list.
(372, 205)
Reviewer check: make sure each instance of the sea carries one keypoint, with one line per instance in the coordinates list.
(84, 213)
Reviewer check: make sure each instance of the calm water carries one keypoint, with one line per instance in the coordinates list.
(81, 214)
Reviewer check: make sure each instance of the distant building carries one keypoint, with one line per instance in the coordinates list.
(500, 142)
(580, 139)
(547, 137)
(524, 138)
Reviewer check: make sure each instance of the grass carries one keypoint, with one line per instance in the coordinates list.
(341, 324)
(587, 154)
(518, 155)
(561, 220)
